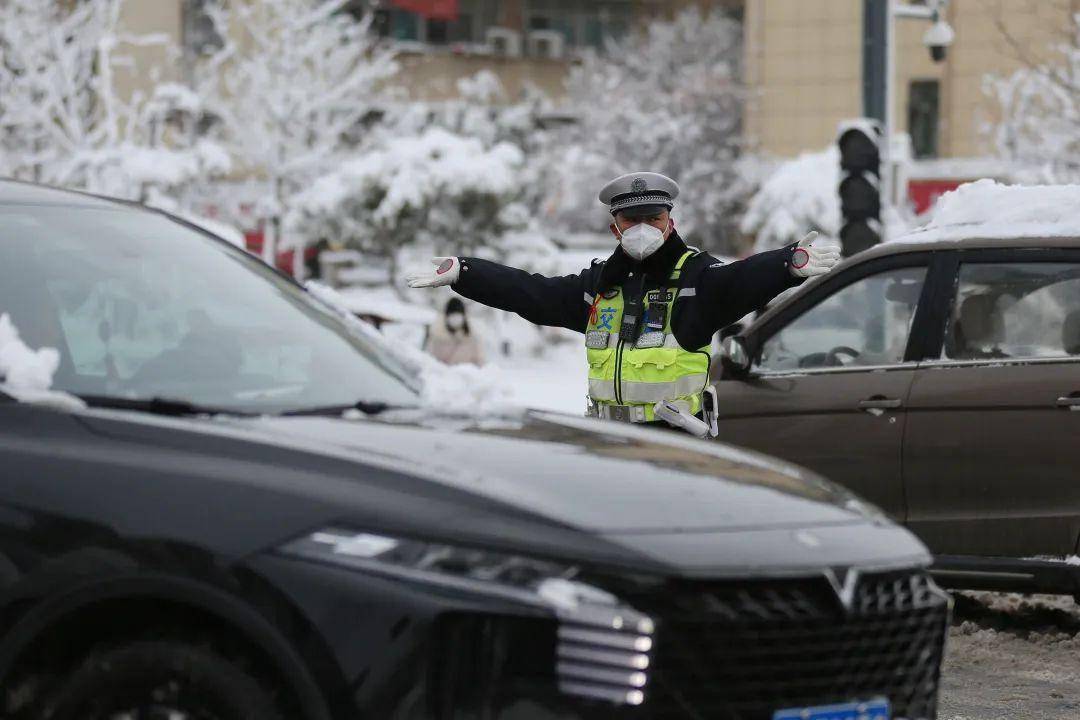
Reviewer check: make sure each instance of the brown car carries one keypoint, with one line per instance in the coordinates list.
(939, 380)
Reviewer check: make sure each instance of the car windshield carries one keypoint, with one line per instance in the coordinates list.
(141, 306)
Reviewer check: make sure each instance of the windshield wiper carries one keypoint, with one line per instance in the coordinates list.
(368, 407)
(156, 405)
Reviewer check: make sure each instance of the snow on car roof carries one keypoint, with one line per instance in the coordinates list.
(988, 209)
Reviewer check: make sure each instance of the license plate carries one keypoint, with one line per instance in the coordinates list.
(869, 710)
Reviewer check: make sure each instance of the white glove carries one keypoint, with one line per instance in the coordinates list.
(809, 260)
(446, 272)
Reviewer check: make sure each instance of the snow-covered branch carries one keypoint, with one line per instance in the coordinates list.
(668, 99)
(64, 120)
(1039, 126)
(293, 83)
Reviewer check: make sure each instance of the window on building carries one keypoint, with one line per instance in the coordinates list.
(923, 114)
(470, 25)
(441, 32)
(397, 24)
(199, 33)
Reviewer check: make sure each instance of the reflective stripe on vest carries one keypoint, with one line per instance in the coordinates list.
(646, 375)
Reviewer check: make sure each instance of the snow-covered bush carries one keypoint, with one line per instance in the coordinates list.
(800, 195)
(438, 189)
(667, 99)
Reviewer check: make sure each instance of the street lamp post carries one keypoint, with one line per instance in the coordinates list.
(879, 64)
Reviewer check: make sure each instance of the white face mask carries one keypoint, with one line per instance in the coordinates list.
(455, 321)
(641, 241)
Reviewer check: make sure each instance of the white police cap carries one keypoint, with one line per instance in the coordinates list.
(639, 189)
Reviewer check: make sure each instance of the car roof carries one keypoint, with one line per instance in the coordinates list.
(17, 192)
(981, 238)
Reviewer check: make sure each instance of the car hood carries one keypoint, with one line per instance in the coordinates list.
(584, 473)
(655, 494)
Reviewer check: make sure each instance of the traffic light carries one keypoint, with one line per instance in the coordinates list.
(860, 185)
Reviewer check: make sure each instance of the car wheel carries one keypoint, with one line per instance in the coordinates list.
(158, 680)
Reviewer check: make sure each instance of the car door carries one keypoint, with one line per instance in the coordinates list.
(992, 447)
(830, 376)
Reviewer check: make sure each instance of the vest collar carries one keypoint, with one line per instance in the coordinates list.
(657, 266)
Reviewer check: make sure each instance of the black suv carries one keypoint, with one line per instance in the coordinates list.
(231, 505)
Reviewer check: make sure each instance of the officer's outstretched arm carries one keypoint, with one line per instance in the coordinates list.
(727, 292)
(552, 301)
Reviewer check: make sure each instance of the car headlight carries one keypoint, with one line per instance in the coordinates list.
(603, 644)
(531, 580)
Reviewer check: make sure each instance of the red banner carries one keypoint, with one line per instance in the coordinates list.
(924, 193)
(434, 9)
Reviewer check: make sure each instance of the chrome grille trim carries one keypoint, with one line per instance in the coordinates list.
(602, 653)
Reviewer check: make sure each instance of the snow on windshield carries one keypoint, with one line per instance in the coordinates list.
(21, 367)
(990, 209)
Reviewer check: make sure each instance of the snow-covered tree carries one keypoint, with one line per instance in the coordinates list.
(437, 189)
(63, 118)
(667, 99)
(294, 83)
(1039, 128)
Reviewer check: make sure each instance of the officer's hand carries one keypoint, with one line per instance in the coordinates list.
(446, 272)
(809, 260)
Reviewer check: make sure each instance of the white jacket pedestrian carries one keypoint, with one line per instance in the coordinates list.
(451, 340)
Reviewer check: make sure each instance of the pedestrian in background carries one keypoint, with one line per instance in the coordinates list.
(451, 340)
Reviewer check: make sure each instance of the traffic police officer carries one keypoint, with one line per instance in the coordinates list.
(648, 312)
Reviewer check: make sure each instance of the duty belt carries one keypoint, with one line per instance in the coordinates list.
(619, 413)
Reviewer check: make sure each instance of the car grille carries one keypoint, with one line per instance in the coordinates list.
(741, 650)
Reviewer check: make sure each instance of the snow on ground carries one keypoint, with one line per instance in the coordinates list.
(1011, 657)
(991, 209)
(557, 381)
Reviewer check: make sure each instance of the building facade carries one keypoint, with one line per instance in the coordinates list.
(528, 44)
(804, 71)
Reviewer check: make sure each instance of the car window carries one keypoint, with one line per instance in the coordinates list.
(1014, 310)
(862, 324)
(142, 306)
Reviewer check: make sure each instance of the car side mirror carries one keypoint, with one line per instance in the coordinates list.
(734, 355)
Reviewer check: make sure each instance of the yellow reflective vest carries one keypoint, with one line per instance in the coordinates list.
(655, 367)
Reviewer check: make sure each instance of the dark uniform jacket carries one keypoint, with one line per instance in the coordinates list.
(724, 292)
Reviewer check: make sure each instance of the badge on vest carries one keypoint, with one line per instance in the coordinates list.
(651, 339)
(597, 339)
(660, 296)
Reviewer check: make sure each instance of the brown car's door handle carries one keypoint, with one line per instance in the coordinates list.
(1070, 401)
(880, 403)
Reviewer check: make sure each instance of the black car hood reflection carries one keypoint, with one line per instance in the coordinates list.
(537, 483)
(584, 473)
